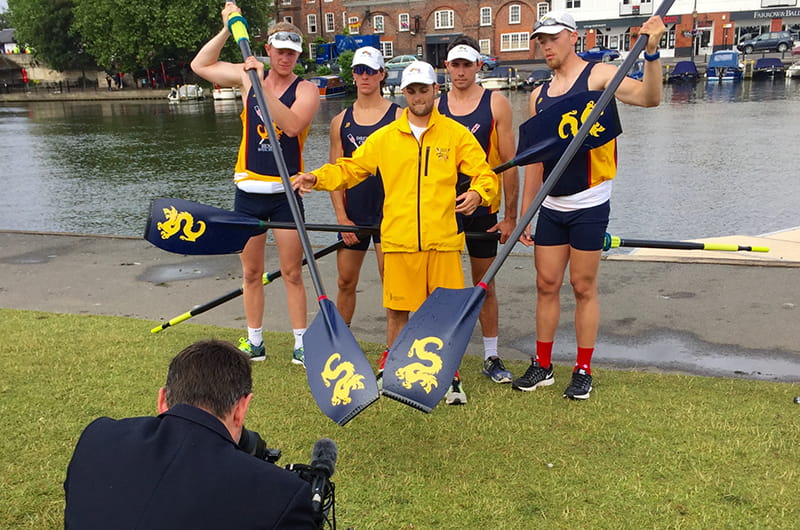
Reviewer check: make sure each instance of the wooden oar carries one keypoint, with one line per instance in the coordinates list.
(338, 372)
(427, 352)
(268, 278)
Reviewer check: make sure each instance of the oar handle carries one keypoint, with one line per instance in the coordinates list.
(238, 28)
(572, 148)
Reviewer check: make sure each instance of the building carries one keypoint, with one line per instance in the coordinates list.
(503, 28)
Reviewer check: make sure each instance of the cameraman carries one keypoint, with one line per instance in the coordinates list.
(183, 469)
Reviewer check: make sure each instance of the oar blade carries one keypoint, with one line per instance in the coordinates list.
(427, 352)
(186, 227)
(338, 372)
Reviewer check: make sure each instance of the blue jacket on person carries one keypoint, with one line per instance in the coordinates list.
(181, 469)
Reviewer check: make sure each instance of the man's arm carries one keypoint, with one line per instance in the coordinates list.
(644, 93)
(501, 110)
(206, 63)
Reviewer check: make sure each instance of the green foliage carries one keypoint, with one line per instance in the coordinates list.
(299, 69)
(345, 61)
(5, 20)
(646, 451)
(123, 35)
(323, 69)
(46, 26)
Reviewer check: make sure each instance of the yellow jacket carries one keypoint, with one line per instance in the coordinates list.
(419, 180)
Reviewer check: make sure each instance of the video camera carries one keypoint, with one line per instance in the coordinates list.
(318, 473)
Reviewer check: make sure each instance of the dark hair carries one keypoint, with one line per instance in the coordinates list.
(212, 374)
(465, 39)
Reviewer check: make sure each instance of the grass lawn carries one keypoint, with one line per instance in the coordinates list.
(646, 451)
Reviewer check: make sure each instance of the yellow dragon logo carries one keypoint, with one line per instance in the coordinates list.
(174, 220)
(424, 374)
(569, 123)
(346, 378)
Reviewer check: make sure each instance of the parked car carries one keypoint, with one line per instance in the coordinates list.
(489, 62)
(599, 54)
(796, 50)
(773, 41)
(400, 61)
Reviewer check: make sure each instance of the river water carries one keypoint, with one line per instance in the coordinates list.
(712, 160)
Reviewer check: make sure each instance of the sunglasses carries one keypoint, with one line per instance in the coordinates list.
(285, 36)
(551, 21)
(364, 69)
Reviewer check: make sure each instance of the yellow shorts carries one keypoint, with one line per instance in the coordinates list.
(409, 277)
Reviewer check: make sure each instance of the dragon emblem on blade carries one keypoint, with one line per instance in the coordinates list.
(420, 372)
(175, 220)
(346, 379)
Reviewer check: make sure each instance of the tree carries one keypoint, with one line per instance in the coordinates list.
(5, 20)
(124, 35)
(45, 26)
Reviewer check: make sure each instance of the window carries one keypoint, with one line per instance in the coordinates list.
(377, 23)
(330, 23)
(311, 22)
(542, 8)
(312, 52)
(486, 46)
(443, 19)
(511, 42)
(573, 4)
(288, 19)
(403, 21)
(353, 25)
(387, 49)
(613, 42)
(514, 14)
(486, 16)
(286, 2)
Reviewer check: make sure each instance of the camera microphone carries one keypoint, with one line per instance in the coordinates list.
(323, 464)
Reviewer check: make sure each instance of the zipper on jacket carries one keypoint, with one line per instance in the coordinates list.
(419, 200)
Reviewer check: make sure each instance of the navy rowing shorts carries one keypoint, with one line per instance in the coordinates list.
(581, 229)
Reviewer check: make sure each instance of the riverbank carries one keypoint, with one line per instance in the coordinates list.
(670, 313)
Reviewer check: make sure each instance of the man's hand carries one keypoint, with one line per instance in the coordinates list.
(468, 202)
(525, 238)
(227, 11)
(304, 183)
(251, 63)
(349, 238)
(505, 227)
(654, 28)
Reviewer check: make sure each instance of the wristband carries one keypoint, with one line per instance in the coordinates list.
(652, 57)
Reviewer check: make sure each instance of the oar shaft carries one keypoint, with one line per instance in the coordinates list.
(572, 148)
(237, 27)
(681, 245)
(268, 278)
(360, 229)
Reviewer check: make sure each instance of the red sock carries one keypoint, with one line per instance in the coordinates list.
(584, 359)
(382, 359)
(544, 353)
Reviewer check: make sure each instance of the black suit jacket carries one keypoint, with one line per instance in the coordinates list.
(178, 470)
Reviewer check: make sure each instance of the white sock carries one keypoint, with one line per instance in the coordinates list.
(255, 336)
(298, 337)
(489, 347)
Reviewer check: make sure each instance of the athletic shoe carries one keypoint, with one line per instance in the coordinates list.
(455, 395)
(299, 356)
(581, 385)
(256, 353)
(494, 368)
(535, 376)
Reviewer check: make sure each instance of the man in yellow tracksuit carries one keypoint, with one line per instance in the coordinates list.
(418, 159)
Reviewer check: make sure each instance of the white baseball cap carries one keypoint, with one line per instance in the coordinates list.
(418, 72)
(554, 22)
(288, 40)
(462, 51)
(368, 56)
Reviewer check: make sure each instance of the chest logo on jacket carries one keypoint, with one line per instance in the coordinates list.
(442, 153)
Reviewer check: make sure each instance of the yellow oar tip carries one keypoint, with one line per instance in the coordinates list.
(760, 249)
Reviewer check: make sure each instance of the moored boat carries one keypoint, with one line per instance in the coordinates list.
(768, 67)
(185, 93)
(793, 70)
(220, 93)
(329, 86)
(684, 71)
(723, 65)
(502, 78)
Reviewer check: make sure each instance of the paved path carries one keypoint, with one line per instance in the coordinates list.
(732, 314)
